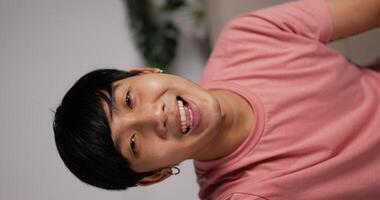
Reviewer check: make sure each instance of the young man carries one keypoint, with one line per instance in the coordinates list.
(278, 114)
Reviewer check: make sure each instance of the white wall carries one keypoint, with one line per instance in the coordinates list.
(46, 45)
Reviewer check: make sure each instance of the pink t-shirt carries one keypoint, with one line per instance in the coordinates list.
(317, 135)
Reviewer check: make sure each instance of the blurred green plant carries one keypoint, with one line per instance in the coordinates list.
(156, 36)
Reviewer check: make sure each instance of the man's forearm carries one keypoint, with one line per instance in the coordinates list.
(354, 16)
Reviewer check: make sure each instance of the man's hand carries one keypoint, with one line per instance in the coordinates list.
(354, 16)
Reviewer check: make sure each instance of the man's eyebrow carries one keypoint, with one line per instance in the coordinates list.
(112, 108)
(118, 146)
(111, 100)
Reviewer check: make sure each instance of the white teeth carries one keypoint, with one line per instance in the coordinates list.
(191, 118)
(182, 114)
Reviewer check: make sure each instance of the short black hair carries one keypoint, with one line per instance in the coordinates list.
(83, 135)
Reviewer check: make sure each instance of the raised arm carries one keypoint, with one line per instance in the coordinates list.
(354, 16)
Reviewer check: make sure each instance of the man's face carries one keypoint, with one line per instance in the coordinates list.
(160, 120)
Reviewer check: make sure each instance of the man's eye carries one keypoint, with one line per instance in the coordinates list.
(132, 144)
(128, 101)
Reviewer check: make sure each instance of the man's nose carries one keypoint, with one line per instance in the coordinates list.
(153, 116)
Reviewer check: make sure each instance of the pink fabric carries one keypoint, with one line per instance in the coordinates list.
(318, 131)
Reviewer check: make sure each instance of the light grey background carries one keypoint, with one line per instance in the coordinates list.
(46, 45)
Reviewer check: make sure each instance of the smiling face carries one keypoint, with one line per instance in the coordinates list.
(160, 120)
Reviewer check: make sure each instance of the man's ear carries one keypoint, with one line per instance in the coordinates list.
(155, 178)
(145, 70)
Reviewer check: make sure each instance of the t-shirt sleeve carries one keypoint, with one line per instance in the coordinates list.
(307, 18)
(242, 196)
(269, 38)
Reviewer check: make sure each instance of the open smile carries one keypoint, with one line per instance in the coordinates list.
(188, 115)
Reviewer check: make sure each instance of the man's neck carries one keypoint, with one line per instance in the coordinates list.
(237, 124)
